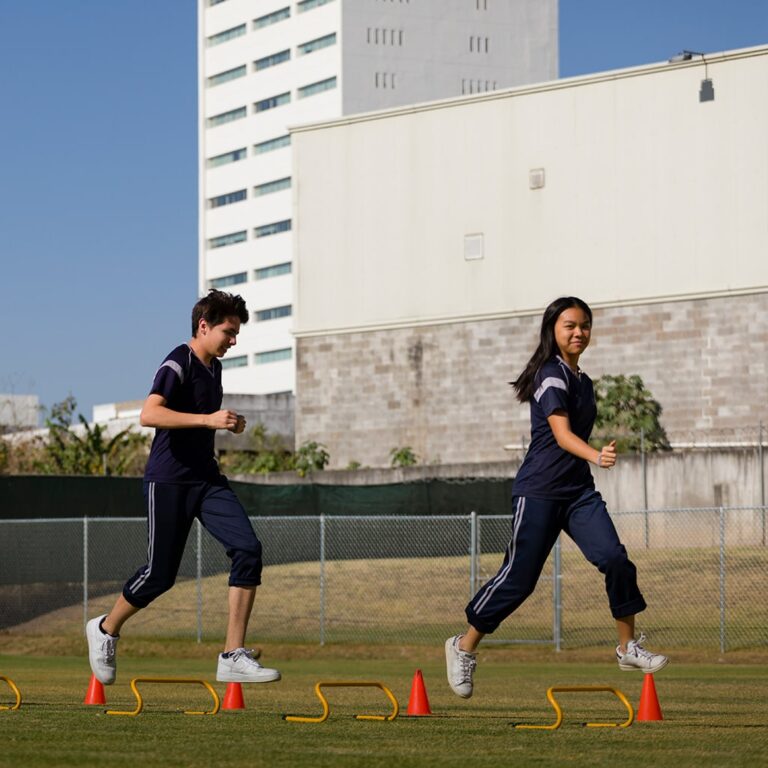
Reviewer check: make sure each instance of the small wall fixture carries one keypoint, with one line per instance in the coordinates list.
(536, 178)
(474, 247)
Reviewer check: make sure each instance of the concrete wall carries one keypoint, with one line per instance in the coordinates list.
(443, 389)
(647, 193)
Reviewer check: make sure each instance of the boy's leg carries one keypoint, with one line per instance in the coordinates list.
(170, 512)
(240, 607)
(225, 519)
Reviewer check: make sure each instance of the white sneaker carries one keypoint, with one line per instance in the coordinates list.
(638, 657)
(240, 666)
(460, 666)
(102, 651)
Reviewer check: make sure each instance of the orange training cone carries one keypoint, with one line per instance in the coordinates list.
(649, 708)
(233, 698)
(418, 703)
(95, 693)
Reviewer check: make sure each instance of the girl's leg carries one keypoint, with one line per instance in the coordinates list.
(590, 526)
(535, 528)
(625, 627)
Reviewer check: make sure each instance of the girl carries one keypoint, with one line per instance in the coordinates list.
(552, 492)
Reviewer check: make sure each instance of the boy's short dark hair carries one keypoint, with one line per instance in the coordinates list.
(216, 307)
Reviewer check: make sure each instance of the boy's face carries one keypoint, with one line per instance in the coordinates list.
(217, 339)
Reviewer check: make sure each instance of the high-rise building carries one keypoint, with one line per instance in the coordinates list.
(270, 64)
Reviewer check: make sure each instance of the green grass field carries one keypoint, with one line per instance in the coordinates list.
(715, 713)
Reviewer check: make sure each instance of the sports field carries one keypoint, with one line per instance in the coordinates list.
(715, 712)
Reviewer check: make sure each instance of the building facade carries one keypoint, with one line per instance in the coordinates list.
(643, 191)
(272, 64)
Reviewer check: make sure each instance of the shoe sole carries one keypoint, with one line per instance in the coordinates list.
(244, 679)
(648, 670)
(448, 655)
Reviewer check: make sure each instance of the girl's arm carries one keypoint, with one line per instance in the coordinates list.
(568, 441)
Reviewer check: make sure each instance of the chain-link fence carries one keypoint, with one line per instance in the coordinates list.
(398, 579)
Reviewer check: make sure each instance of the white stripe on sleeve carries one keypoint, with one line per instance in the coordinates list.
(550, 381)
(175, 367)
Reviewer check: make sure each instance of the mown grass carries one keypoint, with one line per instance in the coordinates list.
(716, 714)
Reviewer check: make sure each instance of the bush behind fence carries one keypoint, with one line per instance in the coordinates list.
(395, 579)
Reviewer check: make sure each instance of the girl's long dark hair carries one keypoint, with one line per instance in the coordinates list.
(547, 346)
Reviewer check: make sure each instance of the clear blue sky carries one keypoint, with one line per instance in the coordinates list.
(98, 211)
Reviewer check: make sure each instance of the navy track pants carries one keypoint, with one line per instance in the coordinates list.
(535, 527)
(171, 510)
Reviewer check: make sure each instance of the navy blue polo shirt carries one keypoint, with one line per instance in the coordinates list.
(188, 386)
(549, 472)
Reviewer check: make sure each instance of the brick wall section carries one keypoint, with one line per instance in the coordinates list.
(443, 389)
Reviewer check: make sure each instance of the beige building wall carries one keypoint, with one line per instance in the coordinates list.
(430, 239)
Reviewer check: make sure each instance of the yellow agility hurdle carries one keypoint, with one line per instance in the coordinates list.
(140, 701)
(582, 689)
(16, 692)
(346, 684)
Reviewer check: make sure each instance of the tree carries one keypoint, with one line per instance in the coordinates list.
(65, 452)
(625, 408)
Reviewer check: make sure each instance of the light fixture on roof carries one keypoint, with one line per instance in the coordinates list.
(685, 56)
(707, 89)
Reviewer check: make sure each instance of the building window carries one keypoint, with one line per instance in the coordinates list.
(274, 271)
(228, 199)
(227, 34)
(225, 77)
(319, 87)
(272, 102)
(227, 157)
(270, 61)
(316, 44)
(226, 117)
(272, 356)
(227, 280)
(274, 313)
(234, 362)
(308, 5)
(272, 144)
(273, 229)
(230, 239)
(271, 18)
(272, 186)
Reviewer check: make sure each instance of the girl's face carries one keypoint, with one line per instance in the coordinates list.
(572, 332)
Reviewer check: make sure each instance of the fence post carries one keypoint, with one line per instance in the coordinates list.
(199, 582)
(557, 597)
(322, 579)
(762, 477)
(644, 467)
(85, 571)
(722, 580)
(472, 553)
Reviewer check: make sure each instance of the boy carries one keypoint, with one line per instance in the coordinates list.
(182, 482)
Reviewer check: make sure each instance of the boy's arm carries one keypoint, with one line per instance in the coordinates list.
(155, 413)
(571, 442)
